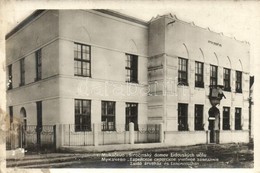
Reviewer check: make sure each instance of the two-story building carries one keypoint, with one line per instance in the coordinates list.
(85, 67)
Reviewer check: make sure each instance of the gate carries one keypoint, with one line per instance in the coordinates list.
(39, 138)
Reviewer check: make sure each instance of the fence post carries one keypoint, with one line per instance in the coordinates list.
(59, 136)
(95, 134)
(131, 133)
(161, 133)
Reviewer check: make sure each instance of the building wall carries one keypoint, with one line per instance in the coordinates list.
(110, 39)
(41, 33)
(195, 44)
(157, 46)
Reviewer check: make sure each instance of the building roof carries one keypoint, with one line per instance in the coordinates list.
(24, 22)
(111, 13)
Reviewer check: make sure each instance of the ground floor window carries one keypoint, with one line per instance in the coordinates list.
(108, 115)
(182, 117)
(11, 115)
(131, 115)
(199, 117)
(238, 119)
(226, 118)
(82, 115)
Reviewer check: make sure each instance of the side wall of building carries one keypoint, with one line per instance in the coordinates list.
(40, 33)
(110, 39)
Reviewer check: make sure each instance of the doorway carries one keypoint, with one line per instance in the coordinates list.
(23, 117)
(214, 124)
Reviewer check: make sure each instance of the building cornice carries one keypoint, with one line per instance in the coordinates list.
(24, 22)
(123, 16)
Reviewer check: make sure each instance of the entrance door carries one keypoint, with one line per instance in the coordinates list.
(214, 124)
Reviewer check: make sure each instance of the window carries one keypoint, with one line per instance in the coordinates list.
(199, 117)
(213, 75)
(108, 116)
(183, 71)
(11, 115)
(39, 113)
(131, 115)
(38, 56)
(182, 117)
(199, 75)
(226, 79)
(22, 72)
(131, 68)
(10, 78)
(82, 60)
(238, 81)
(238, 119)
(226, 118)
(82, 115)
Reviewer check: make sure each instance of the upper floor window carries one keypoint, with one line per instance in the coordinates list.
(183, 71)
(238, 81)
(82, 60)
(199, 75)
(238, 125)
(226, 118)
(38, 57)
(213, 75)
(131, 68)
(82, 115)
(108, 115)
(22, 72)
(226, 79)
(10, 77)
(183, 117)
(131, 115)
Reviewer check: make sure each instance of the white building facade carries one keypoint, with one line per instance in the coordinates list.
(87, 67)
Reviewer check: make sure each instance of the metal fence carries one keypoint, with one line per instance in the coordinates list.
(31, 137)
(39, 137)
(118, 136)
(13, 137)
(147, 133)
(75, 135)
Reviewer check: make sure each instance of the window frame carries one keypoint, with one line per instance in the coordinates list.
(130, 116)
(226, 119)
(39, 113)
(22, 72)
(108, 117)
(10, 77)
(213, 78)
(81, 60)
(131, 65)
(38, 64)
(182, 72)
(227, 80)
(239, 82)
(81, 116)
(199, 83)
(183, 117)
(238, 117)
(198, 117)
(11, 114)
